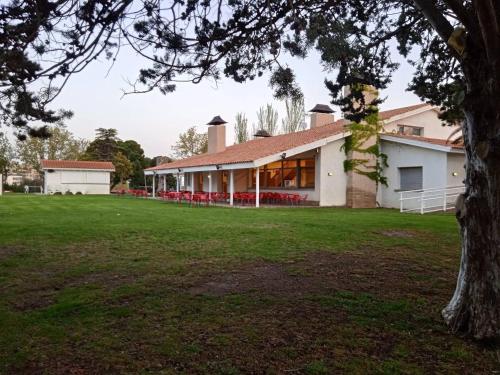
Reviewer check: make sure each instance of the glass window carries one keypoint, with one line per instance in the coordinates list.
(290, 177)
(307, 177)
(308, 163)
(275, 165)
(416, 131)
(285, 174)
(410, 178)
(251, 178)
(290, 164)
(273, 178)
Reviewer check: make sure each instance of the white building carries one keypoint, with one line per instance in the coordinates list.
(311, 162)
(85, 177)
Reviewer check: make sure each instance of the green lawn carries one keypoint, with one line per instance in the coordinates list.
(122, 285)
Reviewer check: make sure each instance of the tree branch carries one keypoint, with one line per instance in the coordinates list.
(463, 16)
(490, 29)
(436, 19)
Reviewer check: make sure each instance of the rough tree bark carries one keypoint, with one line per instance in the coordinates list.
(475, 306)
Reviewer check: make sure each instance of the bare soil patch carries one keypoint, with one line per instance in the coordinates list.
(41, 296)
(371, 271)
(397, 233)
(7, 251)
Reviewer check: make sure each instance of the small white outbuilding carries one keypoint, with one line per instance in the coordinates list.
(85, 177)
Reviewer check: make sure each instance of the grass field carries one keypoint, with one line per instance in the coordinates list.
(121, 285)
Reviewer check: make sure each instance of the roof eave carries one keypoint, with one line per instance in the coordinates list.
(414, 112)
(251, 164)
(421, 144)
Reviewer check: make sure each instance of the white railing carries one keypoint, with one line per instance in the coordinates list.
(429, 200)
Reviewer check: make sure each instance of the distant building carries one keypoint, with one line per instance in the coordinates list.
(20, 176)
(86, 177)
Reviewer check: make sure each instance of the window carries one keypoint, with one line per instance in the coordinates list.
(307, 175)
(288, 174)
(410, 178)
(410, 130)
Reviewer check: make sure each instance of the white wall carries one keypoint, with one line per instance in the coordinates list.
(456, 165)
(433, 163)
(332, 188)
(429, 120)
(83, 181)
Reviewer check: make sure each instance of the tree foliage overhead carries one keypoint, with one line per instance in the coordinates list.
(189, 41)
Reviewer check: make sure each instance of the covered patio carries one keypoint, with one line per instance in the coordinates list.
(286, 182)
(286, 169)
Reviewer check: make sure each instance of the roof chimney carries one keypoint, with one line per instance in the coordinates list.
(370, 94)
(262, 133)
(321, 115)
(216, 135)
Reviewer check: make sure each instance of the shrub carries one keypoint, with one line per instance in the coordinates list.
(68, 192)
(78, 193)
(57, 193)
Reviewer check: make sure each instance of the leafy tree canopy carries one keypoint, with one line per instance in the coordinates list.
(62, 145)
(104, 146)
(190, 143)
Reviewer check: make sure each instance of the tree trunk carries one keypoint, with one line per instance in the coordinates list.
(475, 306)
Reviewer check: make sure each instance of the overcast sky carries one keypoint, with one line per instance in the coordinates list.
(155, 120)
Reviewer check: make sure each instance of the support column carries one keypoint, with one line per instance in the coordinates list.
(164, 182)
(209, 186)
(178, 181)
(231, 188)
(257, 187)
(154, 180)
(192, 182)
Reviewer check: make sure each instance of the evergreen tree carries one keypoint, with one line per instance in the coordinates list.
(104, 146)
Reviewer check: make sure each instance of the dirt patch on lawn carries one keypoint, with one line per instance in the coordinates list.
(8, 251)
(397, 233)
(370, 271)
(41, 296)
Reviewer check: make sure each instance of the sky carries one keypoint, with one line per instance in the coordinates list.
(156, 120)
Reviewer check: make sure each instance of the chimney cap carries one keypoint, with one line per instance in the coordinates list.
(321, 108)
(261, 133)
(217, 120)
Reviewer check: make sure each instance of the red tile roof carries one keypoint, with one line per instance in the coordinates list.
(262, 147)
(77, 164)
(434, 141)
(386, 115)
(258, 148)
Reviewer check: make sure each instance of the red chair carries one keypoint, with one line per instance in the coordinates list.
(294, 199)
(303, 199)
(187, 197)
(201, 198)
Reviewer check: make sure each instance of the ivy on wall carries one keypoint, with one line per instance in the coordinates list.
(361, 134)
